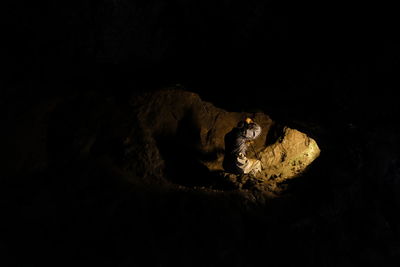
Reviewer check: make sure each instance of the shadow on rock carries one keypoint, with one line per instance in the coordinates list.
(182, 155)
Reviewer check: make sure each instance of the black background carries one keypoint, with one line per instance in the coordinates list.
(336, 53)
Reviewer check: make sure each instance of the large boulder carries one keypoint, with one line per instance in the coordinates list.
(289, 155)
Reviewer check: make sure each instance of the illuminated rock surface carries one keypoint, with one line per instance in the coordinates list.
(289, 156)
(189, 134)
(164, 136)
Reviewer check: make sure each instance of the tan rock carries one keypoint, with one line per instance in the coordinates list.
(289, 156)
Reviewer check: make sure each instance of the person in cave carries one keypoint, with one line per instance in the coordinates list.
(237, 143)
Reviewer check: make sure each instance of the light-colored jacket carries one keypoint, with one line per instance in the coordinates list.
(246, 134)
(236, 146)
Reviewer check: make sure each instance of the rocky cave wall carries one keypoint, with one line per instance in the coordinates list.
(196, 129)
(169, 127)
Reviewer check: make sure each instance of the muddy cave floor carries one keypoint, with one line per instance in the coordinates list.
(90, 201)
